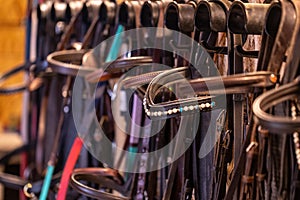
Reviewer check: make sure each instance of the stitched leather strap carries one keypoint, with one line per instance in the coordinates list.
(62, 62)
(277, 124)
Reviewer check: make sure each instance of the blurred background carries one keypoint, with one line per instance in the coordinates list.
(12, 53)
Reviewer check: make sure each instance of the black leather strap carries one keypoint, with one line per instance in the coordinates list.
(277, 124)
(16, 87)
(107, 179)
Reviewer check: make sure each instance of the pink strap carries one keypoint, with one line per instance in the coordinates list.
(68, 169)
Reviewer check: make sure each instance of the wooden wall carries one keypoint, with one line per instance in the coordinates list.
(12, 52)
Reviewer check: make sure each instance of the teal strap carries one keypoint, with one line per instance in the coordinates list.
(47, 181)
(116, 45)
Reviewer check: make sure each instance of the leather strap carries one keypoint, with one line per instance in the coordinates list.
(78, 11)
(286, 22)
(17, 87)
(60, 63)
(277, 124)
(282, 41)
(105, 177)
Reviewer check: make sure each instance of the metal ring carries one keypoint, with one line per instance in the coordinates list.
(27, 187)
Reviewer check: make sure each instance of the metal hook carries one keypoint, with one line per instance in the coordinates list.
(244, 53)
(214, 49)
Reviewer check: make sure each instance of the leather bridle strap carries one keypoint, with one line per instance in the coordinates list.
(59, 11)
(103, 176)
(65, 38)
(281, 43)
(61, 62)
(277, 124)
(282, 40)
(77, 145)
(75, 151)
(17, 87)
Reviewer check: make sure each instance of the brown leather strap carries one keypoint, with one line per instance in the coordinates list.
(276, 59)
(260, 177)
(282, 41)
(277, 124)
(247, 179)
(62, 62)
(71, 26)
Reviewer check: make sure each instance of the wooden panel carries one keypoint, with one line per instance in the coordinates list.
(12, 52)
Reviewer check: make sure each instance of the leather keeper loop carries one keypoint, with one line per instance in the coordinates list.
(263, 132)
(247, 179)
(150, 14)
(260, 177)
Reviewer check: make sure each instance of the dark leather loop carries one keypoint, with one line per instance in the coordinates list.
(211, 16)
(277, 124)
(288, 14)
(150, 14)
(91, 10)
(68, 62)
(43, 10)
(16, 87)
(107, 12)
(106, 178)
(60, 11)
(126, 15)
(273, 16)
(247, 18)
(180, 17)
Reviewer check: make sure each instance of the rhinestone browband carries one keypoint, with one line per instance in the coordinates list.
(205, 104)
